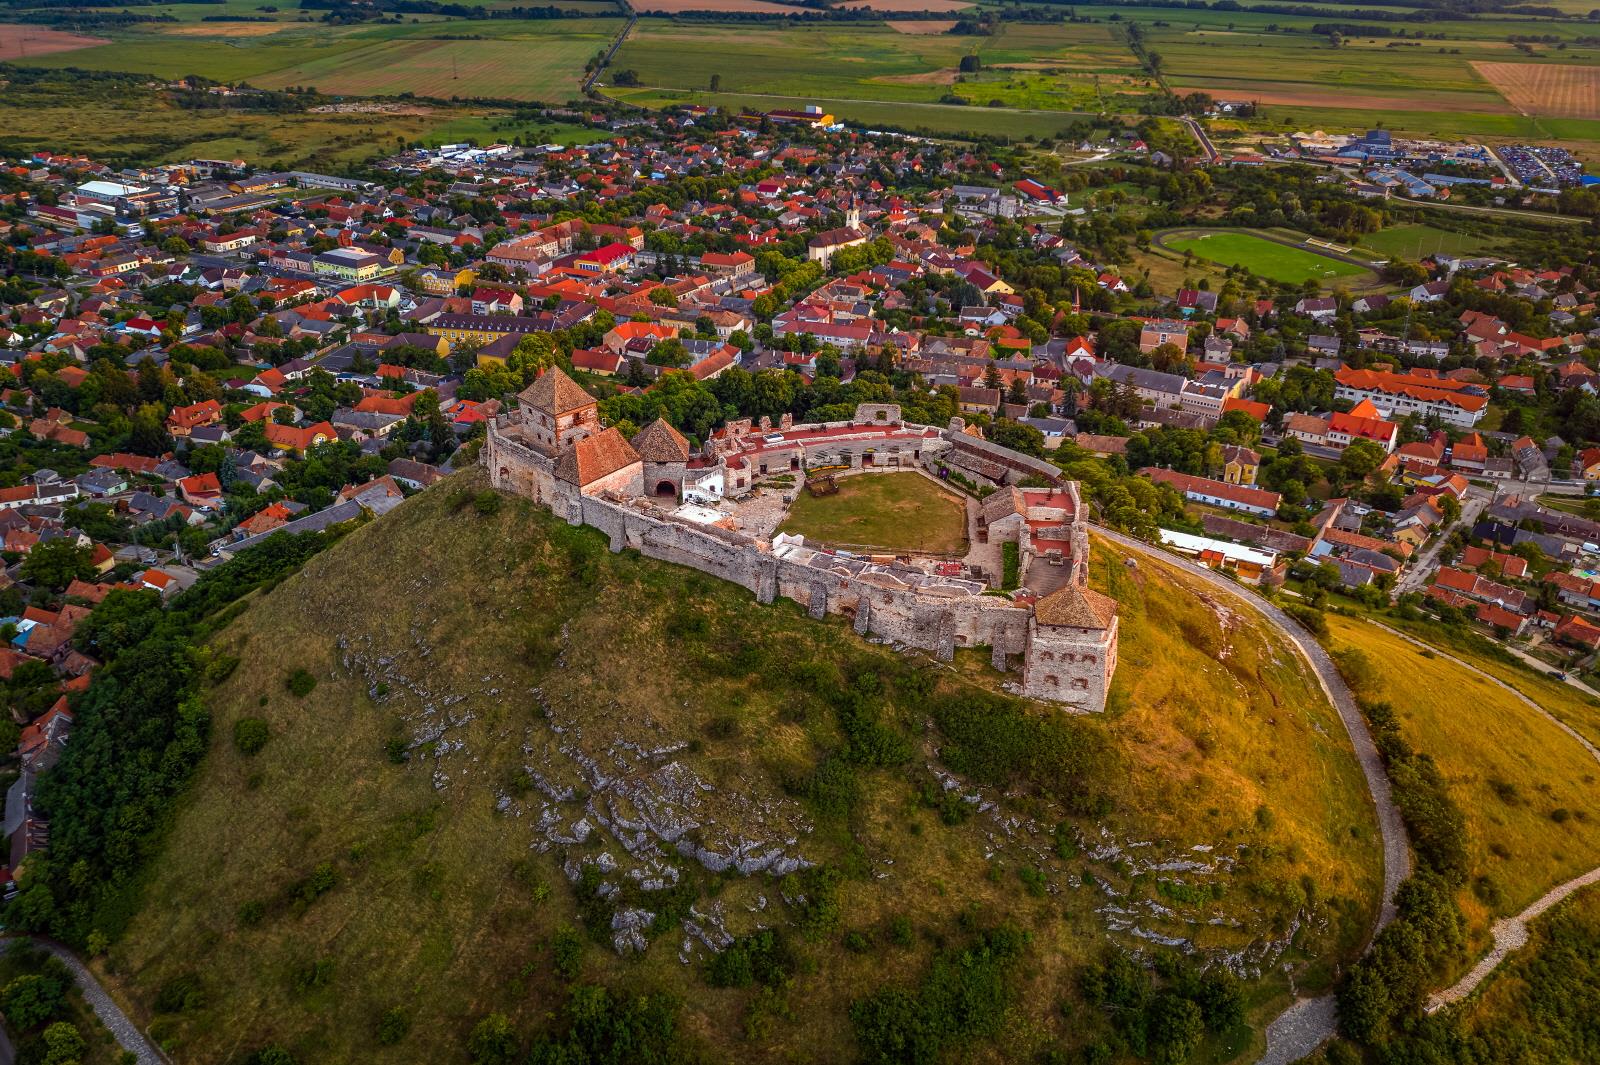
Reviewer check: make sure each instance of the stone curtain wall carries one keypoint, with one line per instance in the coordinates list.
(932, 623)
(1078, 673)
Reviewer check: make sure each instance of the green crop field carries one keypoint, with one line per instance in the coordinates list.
(948, 119)
(1265, 258)
(545, 66)
(502, 59)
(883, 511)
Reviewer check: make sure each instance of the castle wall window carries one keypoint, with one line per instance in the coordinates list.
(1079, 684)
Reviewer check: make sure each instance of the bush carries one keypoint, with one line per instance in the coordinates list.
(394, 1025)
(962, 998)
(486, 502)
(300, 683)
(759, 958)
(1308, 616)
(1010, 566)
(493, 1041)
(566, 952)
(250, 735)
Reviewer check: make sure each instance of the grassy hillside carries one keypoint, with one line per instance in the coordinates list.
(496, 753)
(1526, 787)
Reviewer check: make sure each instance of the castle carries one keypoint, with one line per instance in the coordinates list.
(657, 495)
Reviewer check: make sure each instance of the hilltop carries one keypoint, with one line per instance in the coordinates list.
(499, 760)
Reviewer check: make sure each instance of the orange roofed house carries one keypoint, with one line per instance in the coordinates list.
(299, 438)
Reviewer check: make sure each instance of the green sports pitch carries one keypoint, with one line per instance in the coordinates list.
(1263, 257)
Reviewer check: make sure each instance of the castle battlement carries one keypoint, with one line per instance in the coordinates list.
(553, 450)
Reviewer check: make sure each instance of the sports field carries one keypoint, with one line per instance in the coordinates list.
(1420, 241)
(885, 512)
(1262, 257)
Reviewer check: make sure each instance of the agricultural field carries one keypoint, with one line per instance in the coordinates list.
(1553, 89)
(539, 60)
(941, 119)
(113, 120)
(1527, 789)
(1261, 256)
(1024, 67)
(546, 65)
(883, 512)
(19, 41)
(673, 7)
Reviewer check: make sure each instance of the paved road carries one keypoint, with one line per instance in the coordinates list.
(1199, 133)
(1422, 567)
(127, 1034)
(1310, 1022)
(1540, 666)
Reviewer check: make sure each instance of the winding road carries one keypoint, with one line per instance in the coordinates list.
(126, 1033)
(1309, 1022)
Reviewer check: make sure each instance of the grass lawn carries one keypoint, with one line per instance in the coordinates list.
(1568, 704)
(1419, 241)
(1264, 258)
(442, 907)
(1508, 769)
(883, 512)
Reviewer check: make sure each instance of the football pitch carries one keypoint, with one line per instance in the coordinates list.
(1262, 257)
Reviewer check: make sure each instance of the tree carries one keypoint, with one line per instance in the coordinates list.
(1360, 459)
(971, 64)
(56, 563)
(63, 1044)
(31, 999)
(493, 1041)
(716, 83)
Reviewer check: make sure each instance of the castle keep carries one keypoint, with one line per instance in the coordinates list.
(655, 494)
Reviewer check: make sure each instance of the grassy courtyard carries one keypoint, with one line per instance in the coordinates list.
(883, 512)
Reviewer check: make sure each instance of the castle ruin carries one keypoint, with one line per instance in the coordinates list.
(656, 495)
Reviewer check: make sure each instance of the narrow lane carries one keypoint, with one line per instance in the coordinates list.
(127, 1034)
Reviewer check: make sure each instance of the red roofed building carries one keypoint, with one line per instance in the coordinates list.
(184, 420)
(201, 490)
(1578, 632)
(298, 438)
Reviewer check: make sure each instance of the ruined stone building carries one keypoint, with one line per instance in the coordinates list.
(651, 493)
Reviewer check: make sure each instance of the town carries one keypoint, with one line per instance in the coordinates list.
(731, 342)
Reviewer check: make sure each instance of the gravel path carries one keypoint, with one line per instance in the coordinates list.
(1309, 1022)
(127, 1034)
(1509, 934)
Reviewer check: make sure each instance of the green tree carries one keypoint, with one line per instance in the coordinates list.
(55, 564)
(493, 1041)
(32, 999)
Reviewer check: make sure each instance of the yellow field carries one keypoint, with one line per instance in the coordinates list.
(1541, 89)
(1509, 770)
